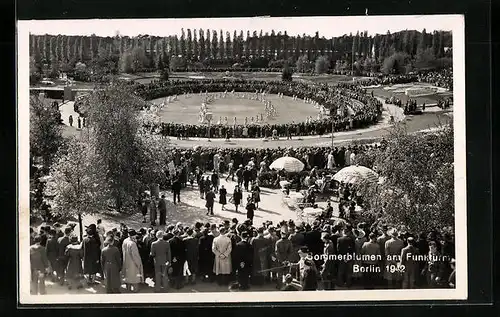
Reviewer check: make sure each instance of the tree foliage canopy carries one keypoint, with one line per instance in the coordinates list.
(113, 120)
(45, 129)
(418, 187)
(78, 180)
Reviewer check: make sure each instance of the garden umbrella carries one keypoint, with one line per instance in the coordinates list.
(356, 175)
(288, 163)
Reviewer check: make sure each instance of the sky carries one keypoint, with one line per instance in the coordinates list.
(326, 26)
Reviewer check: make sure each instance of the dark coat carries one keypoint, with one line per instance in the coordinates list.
(237, 196)
(310, 280)
(176, 186)
(111, 266)
(38, 258)
(206, 256)
(178, 249)
(222, 196)
(244, 254)
(52, 251)
(250, 210)
(297, 239)
(75, 254)
(191, 244)
(210, 198)
(91, 255)
(346, 244)
(162, 209)
(262, 250)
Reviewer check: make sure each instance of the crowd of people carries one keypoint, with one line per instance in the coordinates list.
(334, 98)
(442, 78)
(325, 254)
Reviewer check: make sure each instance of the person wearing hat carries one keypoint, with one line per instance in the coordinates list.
(111, 266)
(411, 270)
(62, 260)
(434, 267)
(51, 250)
(205, 255)
(283, 251)
(162, 257)
(358, 242)
(221, 247)
(247, 176)
(243, 257)
(176, 189)
(191, 243)
(210, 199)
(372, 257)
(256, 194)
(91, 246)
(346, 246)
(261, 257)
(328, 269)
(393, 248)
(239, 175)
(230, 172)
(178, 250)
(132, 263)
(381, 240)
(162, 210)
(222, 196)
(237, 197)
(250, 207)
(74, 270)
(215, 181)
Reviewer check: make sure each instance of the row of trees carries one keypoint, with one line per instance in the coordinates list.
(59, 53)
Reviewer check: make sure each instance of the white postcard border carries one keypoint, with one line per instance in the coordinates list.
(459, 293)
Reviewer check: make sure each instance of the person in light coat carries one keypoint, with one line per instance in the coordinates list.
(393, 248)
(132, 264)
(222, 248)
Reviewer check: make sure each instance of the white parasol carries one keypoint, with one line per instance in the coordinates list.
(356, 174)
(288, 163)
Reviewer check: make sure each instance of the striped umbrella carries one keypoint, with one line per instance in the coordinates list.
(356, 175)
(288, 163)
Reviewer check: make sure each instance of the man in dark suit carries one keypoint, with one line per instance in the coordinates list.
(243, 255)
(52, 251)
(162, 257)
(162, 208)
(39, 267)
(191, 243)
(346, 246)
(283, 250)
(178, 249)
(62, 259)
(176, 190)
(111, 262)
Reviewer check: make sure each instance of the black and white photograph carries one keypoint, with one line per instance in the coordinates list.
(223, 160)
